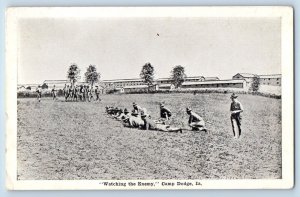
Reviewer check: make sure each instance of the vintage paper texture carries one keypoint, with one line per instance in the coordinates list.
(15, 15)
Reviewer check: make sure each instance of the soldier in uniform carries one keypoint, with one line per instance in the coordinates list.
(67, 92)
(54, 92)
(86, 91)
(149, 124)
(90, 93)
(71, 92)
(82, 92)
(39, 93)
(97, 92)
(76, 93)
(165, 113)
(137, 109)
(236, 109)
(133, 121)
(195, 121)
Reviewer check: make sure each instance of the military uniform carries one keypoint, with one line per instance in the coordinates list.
(196, 121)
(148, 123)
(137, 109)
(39, 93)
(97, 92)
(236, 117)
(165, 112)
(54, 92)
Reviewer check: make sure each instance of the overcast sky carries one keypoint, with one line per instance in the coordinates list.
(119, 47)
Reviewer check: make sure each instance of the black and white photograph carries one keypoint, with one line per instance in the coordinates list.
(150, 98)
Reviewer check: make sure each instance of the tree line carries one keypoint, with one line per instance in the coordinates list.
(147, 74)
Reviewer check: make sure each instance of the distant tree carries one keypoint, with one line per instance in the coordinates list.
(73, 73)
(91, 75)
(178, 76)
(28, 88)
(44, 86)
(255, 84)
(147, 74)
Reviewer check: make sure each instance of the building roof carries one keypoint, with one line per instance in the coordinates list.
(211, 78)
(121, 80)
(19, 87)
(55, 81)
(247, 75)
(137, 86)
(168, 78)
(82, 82)
(163, 79)
(194, 77)
(26, 85)
(214, 82)
(165, 85)
(270, 76)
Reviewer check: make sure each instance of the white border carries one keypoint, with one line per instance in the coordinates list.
(286, 15)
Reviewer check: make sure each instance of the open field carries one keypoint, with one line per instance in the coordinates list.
(75, 140)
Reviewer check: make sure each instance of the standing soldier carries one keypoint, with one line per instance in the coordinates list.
(76, 93)
(54, 92)
(67, 93)
(165, 113)
(79, 93)
(39, 93)
(97, 92)
(90, 93)
(71, 92)
(83, 93)
(65, 90)
(86, 91)
(195, 121)
(236, 109)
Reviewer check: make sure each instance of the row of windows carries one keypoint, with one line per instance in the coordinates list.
(278, 83)
(270, 79)
(215, 85)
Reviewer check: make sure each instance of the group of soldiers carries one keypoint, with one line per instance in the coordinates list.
(78, 93)
(74, 93)
(139, 118)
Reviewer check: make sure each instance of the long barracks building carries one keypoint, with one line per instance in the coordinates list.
(240, 81)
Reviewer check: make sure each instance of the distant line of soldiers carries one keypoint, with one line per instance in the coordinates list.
(139, 118)
(74, 93)
(80, 93)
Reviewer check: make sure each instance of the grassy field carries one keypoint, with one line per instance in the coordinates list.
(75, 140)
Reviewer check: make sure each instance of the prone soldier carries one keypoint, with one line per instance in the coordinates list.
(149, 124)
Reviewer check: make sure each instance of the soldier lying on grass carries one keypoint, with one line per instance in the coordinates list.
(133, 121)
(150, 124)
